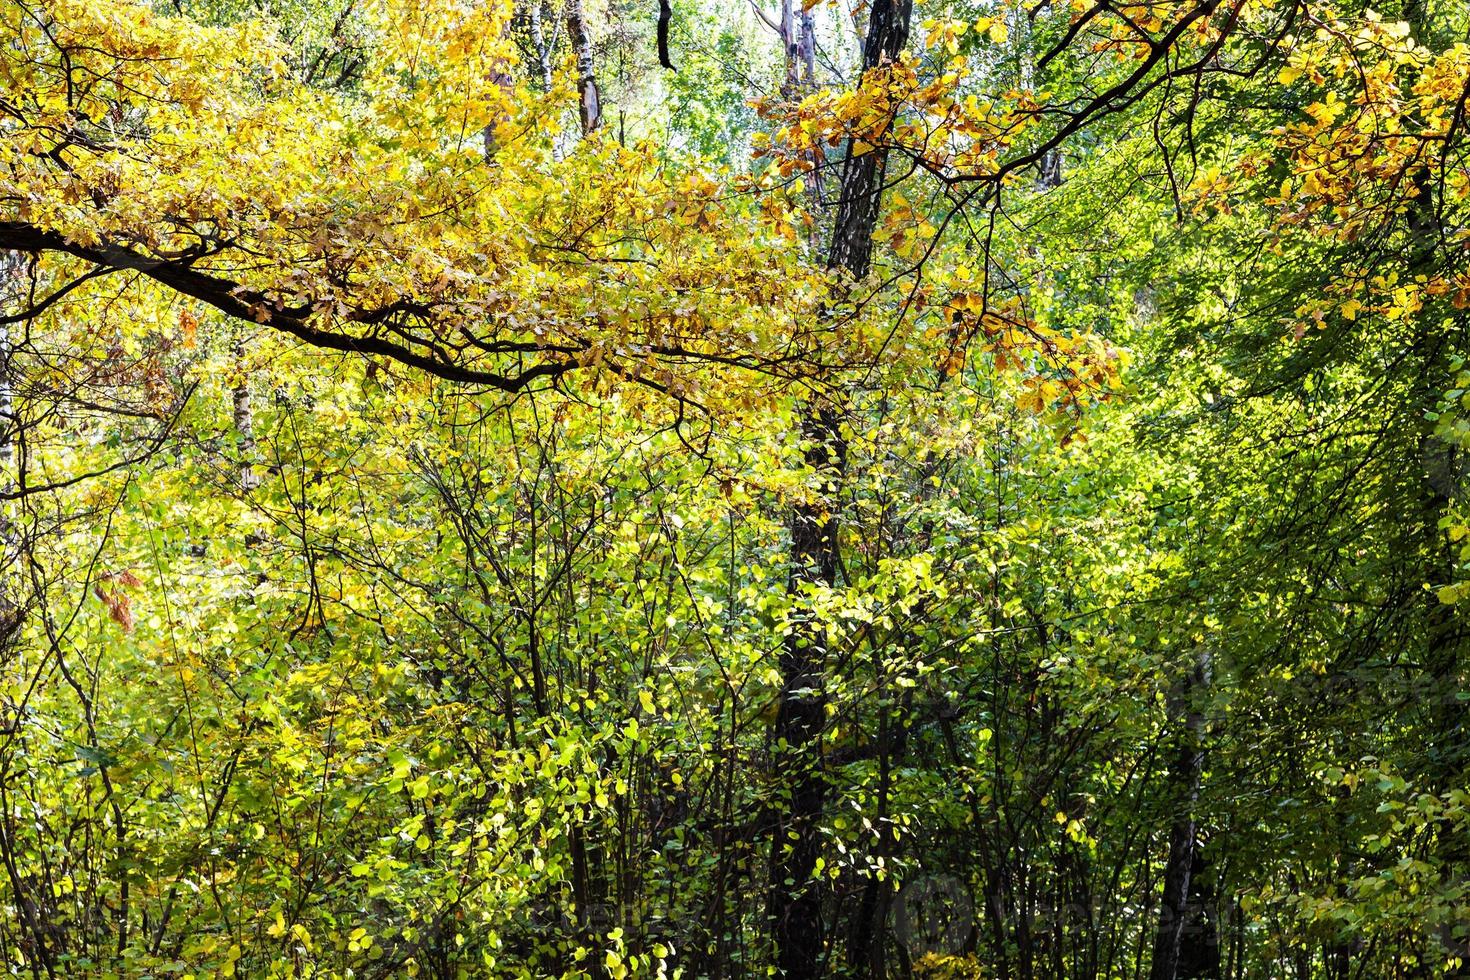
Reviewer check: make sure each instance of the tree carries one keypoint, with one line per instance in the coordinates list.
(786, 529)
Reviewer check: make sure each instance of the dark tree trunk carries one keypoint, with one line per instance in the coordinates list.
(861, 191)
(1440, 485)
(795, 898)
(1186, 942)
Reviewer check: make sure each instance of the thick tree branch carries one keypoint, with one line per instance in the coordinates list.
(242, 303)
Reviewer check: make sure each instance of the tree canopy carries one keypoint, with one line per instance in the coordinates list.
(565, 488)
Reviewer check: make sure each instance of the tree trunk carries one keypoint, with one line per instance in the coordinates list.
(540, 43)
(806, 44)
(790, 28)
(862, 174)
(799, 37)
(589, 101)
(1186, 943)
(795, 898)
(12, 271)
(1441, 472)
(244, 414)
(12, 275)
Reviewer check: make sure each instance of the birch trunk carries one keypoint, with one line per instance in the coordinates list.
(539, 42)
(12, 274)
(244, 418)
(589, 99)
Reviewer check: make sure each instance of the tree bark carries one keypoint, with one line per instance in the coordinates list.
(12, 269)
(795, 897)
(540, 43)
(1186, 943)
(244, 416)
(861, 190)
(790, 48)
(589, 99)
(12, 274)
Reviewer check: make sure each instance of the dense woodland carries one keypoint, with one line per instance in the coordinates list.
(735, 488)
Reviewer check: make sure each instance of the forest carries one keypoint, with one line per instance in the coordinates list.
(936, 489)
